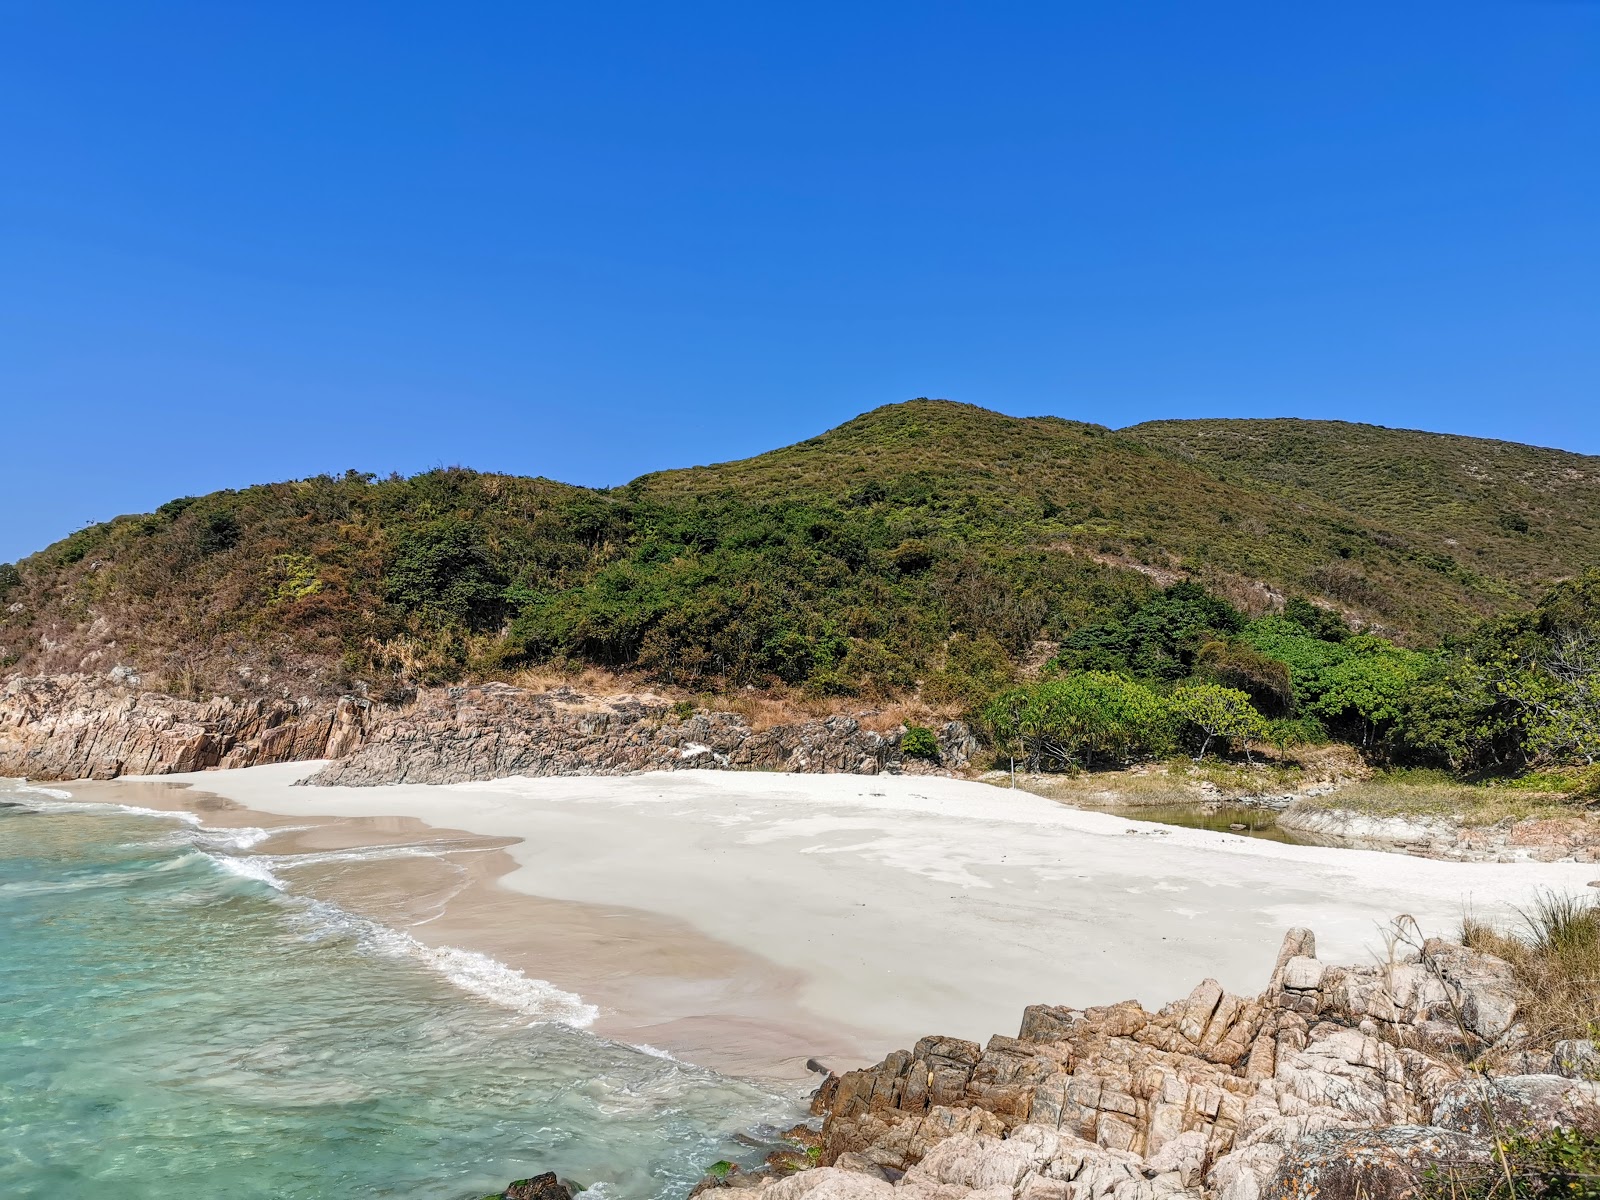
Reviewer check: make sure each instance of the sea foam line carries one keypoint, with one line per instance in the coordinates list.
(469, 971)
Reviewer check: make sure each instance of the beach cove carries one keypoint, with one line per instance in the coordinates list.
(753, 921)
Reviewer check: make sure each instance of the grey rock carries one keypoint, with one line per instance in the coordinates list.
(1371, 1164)
(1519, 1104)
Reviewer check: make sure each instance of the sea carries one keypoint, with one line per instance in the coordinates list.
(175, 1021)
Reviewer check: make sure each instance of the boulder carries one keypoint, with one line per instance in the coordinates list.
(1394, 1163)
(1576, 1060)
(1519, 1104)
(539, 1187)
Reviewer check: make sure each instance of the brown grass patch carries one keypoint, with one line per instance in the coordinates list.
(1556, 957)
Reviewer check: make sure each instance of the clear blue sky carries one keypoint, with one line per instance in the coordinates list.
(242, 242)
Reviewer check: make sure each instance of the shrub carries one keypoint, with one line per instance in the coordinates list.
(1215, 713)
(1072, 719)
(920, 742)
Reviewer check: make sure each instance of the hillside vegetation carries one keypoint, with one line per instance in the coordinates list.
(927, 547)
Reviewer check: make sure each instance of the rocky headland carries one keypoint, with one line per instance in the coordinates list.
(1336, 1081)
(86, 727)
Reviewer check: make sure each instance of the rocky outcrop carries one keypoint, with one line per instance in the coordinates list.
(1532, 839)
(461, 734)
(539, 1187)
(1334, 1082)
(79, 726)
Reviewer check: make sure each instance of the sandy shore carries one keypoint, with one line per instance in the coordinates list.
(749, 920)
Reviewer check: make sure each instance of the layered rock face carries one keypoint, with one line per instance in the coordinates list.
(79, 727)
(462, 734)
(1336, 1081)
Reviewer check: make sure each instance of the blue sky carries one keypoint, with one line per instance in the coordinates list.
(244, 242)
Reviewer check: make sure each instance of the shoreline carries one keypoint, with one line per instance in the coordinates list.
(627, 975)
(872, 909)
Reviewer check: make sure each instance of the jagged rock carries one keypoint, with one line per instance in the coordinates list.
(1528, 1104)
(74, 727)
(1331, 1075)
(80, 727)
(540, 1187)
(461, 734)
(1370, 1164)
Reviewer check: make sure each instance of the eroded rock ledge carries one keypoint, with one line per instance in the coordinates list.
(80, 727)
(462, 734)
(1335, 1081)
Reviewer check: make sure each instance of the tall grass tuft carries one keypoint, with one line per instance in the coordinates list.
(1556, 957)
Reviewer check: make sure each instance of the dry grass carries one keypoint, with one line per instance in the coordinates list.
(760, 709)
(1556, 956)
(765, 710)
(1425, 794)
(1161, 785)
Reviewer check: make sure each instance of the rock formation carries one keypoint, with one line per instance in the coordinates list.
(1335, 1082)
(78, 727)
(460, 734)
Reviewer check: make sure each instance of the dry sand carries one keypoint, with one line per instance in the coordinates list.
(748, 920)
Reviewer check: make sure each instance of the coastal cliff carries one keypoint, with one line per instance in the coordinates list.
(1338, 1081)
(464, 734)
(78, 726)
(81, 727)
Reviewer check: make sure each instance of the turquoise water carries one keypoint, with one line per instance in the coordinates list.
(171, 1026)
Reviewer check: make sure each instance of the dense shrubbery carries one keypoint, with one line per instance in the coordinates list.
(1519, 690)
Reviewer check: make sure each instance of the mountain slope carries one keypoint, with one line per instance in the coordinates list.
(920, 543)
(1520, 516)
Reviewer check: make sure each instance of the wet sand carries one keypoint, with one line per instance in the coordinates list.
(656, 981)
(748, 921)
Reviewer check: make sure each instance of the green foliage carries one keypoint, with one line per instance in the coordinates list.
(1369, 690)
(1217, 714)
(1267, 681)
(1158, 640)
(1070, 720)
(919, 742)
(720, 1169)
(1563, 1164)
(215, 532)
(1288, 732)
(444, 571)
(1315, 619)
(928, 544)
(10, 579)
(292, 577)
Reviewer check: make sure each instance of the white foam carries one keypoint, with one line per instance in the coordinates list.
(476, 974)
(494, 981)
(249, 867)
(36, 790)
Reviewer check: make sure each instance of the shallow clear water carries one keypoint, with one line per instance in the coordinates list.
(171, 1026)
(1220, 818)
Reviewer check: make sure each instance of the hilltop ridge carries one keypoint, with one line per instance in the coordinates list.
(917, 539)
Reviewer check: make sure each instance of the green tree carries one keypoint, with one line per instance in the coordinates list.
(1072, 719)
(444, 573)
(1368, 692)
(1218, 713)
(1560, 697)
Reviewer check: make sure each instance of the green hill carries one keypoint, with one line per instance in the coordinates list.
(921, 544)
(1519, 516)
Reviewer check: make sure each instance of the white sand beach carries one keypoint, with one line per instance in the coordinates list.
(856, 914)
